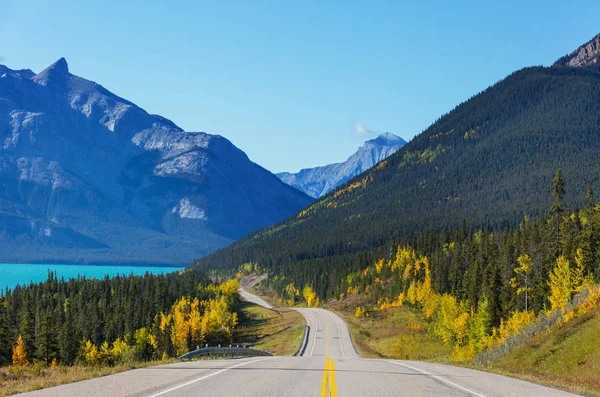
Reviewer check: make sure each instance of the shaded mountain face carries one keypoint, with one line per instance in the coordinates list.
(487, 163)
(88, 176)
(318, 181)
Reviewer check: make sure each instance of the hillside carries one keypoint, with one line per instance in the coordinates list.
(318, 181)
(489, 162)
(565, 356)
(89, 176)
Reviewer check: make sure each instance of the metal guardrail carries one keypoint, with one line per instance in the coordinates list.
(303, 342)
(226, 351)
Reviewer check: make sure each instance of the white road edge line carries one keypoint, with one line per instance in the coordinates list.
(335, 319)
(438, 378)
(204, 377)
(314, 334)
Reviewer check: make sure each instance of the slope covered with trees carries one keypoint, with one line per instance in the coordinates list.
(485, 164)
(114, 320)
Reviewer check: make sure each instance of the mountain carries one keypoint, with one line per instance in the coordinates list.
(318, 181)
(585, 55)
(487, 163)
(88, 176)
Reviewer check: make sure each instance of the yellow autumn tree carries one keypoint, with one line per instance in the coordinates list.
(186, 331)
(310, 296)
(578, 272)
(521, 281)
(560, 284)
(19, 356)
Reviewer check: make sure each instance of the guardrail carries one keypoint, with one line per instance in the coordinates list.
(225, 351)
(303, 342)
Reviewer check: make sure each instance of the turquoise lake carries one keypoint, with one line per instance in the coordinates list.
(12, 274)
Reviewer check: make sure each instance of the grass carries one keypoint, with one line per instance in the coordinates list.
(278, 331)
(392, 333)
(20, 380)
(566, 356)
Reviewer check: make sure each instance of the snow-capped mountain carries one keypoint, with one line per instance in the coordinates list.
(318, 181)
(88, 176)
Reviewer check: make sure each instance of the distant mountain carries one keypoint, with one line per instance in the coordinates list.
(318, 181)
(485, 164)
(88, 176)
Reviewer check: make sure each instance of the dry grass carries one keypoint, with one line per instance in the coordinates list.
(278, 331)
(15, 380)
(566, 356)
(392, 333)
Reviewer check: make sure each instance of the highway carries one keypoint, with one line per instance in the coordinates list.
(329, 366)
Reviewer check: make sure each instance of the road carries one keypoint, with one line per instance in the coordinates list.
(329, 366)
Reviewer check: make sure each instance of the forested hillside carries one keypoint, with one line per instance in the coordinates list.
(476, 289)
(486, 164)
(114, 320)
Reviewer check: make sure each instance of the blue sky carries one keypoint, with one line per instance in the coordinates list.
(289, 81)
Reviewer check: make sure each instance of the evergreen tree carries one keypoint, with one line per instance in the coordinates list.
(5, 335)
(46, 341)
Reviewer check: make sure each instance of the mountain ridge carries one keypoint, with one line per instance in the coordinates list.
(487, 163)
(90, 176)
(318, 181)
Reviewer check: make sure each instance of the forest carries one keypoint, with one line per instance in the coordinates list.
(114, 320)
(488, 164)
(478, 287)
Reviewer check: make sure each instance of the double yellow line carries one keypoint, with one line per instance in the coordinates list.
(329, 372)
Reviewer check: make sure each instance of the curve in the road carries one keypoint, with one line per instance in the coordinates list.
(329, 367)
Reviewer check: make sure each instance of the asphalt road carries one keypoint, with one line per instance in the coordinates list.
(328, 367)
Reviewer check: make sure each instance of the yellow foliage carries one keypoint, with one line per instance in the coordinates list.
(359, 312)
(19, 356)
(514, 324)
(310, 296)
(378, 266)
(54, 363)
(90, 353)
(560, 284)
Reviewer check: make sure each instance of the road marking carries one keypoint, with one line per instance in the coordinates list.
(315, 333)
(332, 385)
(204, 377)
(438, 378)
(329, 373)
(339, 334)
(325, 374)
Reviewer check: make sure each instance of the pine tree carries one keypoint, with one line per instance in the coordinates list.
(590, 196)
(5, 338)
(46, 341)
(558, 192)
(27, 326)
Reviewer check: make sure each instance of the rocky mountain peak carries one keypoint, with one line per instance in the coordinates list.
(387, 139)
(585, 55)
(58, 71)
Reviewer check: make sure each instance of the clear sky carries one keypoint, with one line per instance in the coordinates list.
(294, 83)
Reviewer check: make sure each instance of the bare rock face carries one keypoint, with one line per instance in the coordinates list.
(586, 55)
(87, 176)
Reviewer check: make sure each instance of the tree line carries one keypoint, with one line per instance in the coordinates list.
(118, 319)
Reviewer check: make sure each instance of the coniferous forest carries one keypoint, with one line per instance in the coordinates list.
(487, 164)
(120, 319)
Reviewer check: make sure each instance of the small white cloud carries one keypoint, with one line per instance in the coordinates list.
(360, 129)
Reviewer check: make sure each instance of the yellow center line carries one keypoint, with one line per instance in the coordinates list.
(325, 373)
(329, 367)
